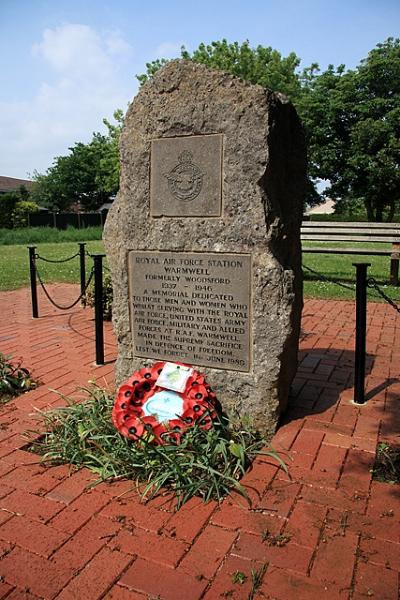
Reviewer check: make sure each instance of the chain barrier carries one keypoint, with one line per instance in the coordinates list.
(96, 273)
(62, 260)
(372, 284)
(329, 279)
(81, 295)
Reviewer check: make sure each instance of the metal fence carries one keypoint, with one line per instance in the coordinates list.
(64, 220)
(363, 284)
(96, 273)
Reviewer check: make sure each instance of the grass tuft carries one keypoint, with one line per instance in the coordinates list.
(208, 464)
(387, 463)
(257, 576)
(14, 379)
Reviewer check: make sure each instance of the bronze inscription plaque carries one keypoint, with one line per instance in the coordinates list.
(191, 307)
(185, 178)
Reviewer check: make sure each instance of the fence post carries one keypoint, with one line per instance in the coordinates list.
(98, 307)
(361, 331)
(82, 268)
(32, 270)
(394, 264)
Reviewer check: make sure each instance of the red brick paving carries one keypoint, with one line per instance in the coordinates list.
(324, 531)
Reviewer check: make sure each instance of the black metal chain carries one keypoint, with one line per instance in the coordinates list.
(62, 260)
(92, 256)
(329, 279)
(371, 283)
(81, 295)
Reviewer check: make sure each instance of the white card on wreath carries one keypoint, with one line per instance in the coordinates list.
(174, 377)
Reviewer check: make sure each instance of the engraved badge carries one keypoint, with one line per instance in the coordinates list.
(185, 180)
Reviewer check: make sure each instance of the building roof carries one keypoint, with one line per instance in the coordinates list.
(11, 184)
(327, 208)
(105, 206)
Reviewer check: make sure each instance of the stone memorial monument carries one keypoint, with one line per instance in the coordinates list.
(203, 239)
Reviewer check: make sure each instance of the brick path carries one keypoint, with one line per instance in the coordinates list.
(338, 530)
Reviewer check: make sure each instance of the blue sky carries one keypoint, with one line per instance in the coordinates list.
(66, 64)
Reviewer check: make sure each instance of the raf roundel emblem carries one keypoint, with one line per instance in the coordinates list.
(185, 180)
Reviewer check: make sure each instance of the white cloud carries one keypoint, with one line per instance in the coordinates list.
(169, 50)
(116, 44)
(85, 84)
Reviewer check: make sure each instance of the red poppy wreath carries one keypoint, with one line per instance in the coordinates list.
(149, 405)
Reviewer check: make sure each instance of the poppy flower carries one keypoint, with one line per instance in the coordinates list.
(197, 403)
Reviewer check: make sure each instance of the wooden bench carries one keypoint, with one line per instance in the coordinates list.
(334, 231)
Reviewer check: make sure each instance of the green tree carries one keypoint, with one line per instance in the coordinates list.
(351, 118)
(21, 212)
(7, 205)
(88, 175)
(262, 65)
(107, 177)
(12, 207)
(353, 123)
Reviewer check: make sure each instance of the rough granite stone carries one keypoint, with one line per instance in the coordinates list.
(263, 176)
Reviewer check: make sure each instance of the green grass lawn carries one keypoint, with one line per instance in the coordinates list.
(14, 263)
(340, 266)
(48, 235)
(14, 269)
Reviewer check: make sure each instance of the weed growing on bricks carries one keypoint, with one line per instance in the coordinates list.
(14, 378)
(208, 464)
(257, 576)
(387, 463)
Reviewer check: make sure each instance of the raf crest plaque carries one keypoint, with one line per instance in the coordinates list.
(191, 307)
(186, 176)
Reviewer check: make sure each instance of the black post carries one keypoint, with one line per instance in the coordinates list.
(82, 267)
(32, 269)
(98, 307)
(361, 331)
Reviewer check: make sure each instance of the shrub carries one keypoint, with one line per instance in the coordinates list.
(387, 463)
(20, 214)
(208, 464)
(107, 296)
(14, 379)
(7, 205)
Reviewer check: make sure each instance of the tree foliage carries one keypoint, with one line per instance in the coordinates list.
(88, 175)
(351, 118)
(21, 212)
(261, 65)
(15, 207)
(7, 205)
